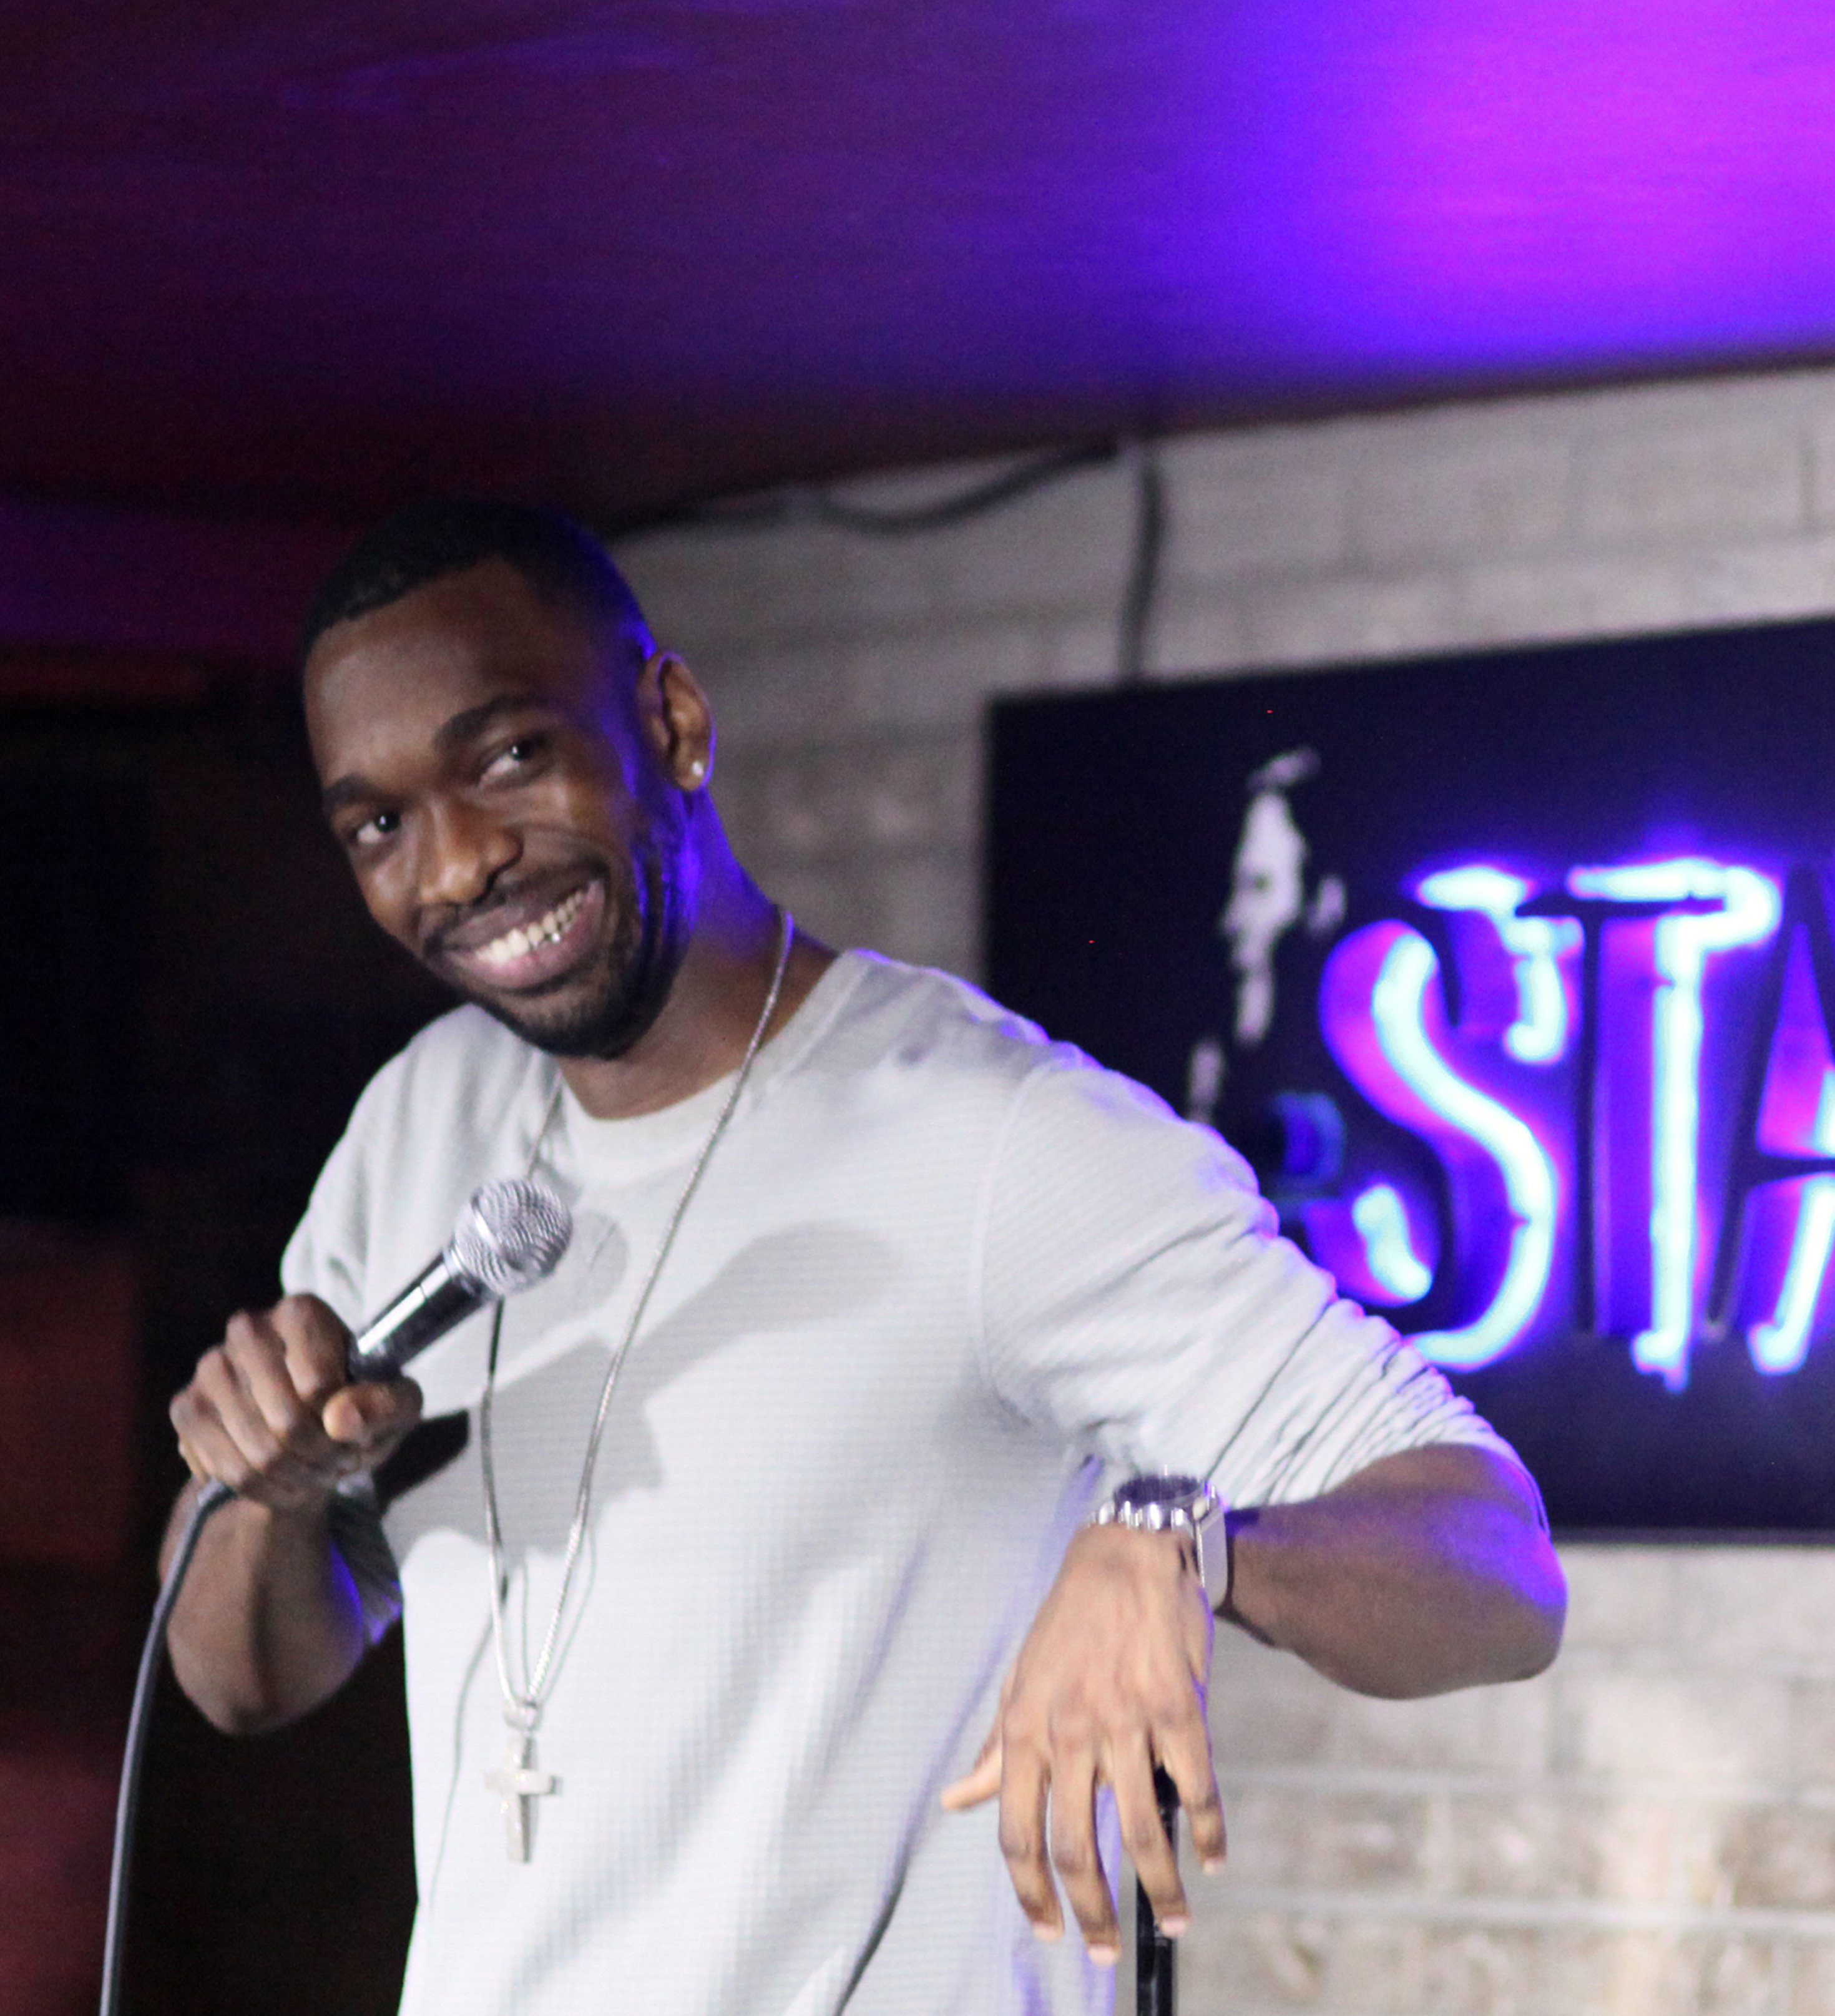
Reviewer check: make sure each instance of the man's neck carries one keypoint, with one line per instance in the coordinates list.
(714, 1003)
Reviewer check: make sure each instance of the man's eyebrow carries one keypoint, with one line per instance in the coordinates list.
(350, 790)
(462, 728)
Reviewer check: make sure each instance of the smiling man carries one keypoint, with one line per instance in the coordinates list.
(777, 1524)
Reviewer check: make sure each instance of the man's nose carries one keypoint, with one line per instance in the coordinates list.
(466, 849)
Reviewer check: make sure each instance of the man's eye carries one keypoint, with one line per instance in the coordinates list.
(514, 756)
(378, 826)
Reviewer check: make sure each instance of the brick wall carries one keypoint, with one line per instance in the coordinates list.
(1650, 1829)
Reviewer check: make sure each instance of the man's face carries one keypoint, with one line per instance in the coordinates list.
(485, 773)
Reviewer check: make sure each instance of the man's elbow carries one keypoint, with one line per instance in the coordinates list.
(1507, 1624)
(1538, 1607)
(242, 1718)
(1501, 1619)
(1513, 1559)
(231, 1709)
(240, 1695)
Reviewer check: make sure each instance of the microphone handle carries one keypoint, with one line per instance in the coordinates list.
(439, 1296)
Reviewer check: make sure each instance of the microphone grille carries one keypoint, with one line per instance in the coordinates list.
(511, 1235)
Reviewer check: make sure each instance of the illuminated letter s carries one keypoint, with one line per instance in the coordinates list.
(1374, 1008)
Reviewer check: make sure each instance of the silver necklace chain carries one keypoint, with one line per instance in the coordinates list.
(522, 1706)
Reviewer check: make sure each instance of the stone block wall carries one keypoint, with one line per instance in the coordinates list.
(1650, 1829)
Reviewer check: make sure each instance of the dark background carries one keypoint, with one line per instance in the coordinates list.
(1115, 821)
(203, 1001)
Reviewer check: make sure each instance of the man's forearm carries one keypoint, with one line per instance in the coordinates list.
(269, 1624)
(1426, 1571)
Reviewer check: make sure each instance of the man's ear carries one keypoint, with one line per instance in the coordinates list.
(675, 721)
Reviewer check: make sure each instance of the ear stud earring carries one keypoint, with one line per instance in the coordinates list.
(697, 769)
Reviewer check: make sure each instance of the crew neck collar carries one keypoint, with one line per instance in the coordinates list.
(646, 1140)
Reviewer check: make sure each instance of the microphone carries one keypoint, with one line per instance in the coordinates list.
(511, 1235)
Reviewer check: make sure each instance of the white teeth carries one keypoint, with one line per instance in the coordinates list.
(521, 939)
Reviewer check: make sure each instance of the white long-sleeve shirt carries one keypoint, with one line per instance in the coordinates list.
(939, 1275)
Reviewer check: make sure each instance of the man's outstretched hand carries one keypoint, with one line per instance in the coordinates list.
(1110, 1681)
(1425, 1571)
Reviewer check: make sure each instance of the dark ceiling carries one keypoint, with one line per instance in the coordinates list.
(300, 262)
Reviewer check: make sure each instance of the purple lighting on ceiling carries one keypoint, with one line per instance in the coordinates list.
(1493, 184)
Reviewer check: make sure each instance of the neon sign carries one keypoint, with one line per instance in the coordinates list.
(1376, 1014)
(1568, 1052)
(1780, 1343)
(1539, 1034)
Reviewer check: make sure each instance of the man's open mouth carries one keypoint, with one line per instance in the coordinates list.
(538, 949)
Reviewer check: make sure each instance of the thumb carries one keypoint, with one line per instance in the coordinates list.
(980, 1783)
(372, 1411)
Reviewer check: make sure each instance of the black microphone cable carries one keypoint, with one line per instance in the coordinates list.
(510, 1235)
(213, 1497)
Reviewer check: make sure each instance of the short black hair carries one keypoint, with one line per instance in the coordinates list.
(426, 542)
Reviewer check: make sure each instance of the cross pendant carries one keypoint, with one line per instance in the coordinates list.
(515, 1783)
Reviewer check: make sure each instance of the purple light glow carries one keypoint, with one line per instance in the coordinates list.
(1793, 1223)
(1492, 184)
(1750, 907)
(1679, 968)
(1376, 1247)
(1788, 1117)
(1536, 946)
(1781, 1343)
(1384, 1020)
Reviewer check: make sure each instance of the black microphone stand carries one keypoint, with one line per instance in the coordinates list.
(1155, 1957)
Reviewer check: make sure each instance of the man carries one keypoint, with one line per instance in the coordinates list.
(720, 1552)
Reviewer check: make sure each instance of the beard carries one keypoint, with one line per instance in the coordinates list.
(627, 992)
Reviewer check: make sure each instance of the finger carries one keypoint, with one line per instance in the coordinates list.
(1024, 1785)
(982, 1781)
(185, 1411)
(372, 1415)
(258, 1359)
(1143, 1835)
(315, 1343)
(1075, 1856)
(1184, 1748)
(220, 1396)
(212, 1449)
(217, 1415)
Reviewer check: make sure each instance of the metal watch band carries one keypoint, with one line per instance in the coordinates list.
(1176, 1504)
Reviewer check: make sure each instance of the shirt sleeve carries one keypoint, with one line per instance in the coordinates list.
(1137, 1299)
(326, 1258)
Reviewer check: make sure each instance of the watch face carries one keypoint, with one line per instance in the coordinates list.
(1139, 1493)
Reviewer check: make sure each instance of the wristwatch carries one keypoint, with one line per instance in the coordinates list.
(1179, 1505)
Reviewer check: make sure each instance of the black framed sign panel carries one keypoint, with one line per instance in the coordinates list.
(1512, 975)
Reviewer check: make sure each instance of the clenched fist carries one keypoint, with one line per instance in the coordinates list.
(271, 1412)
